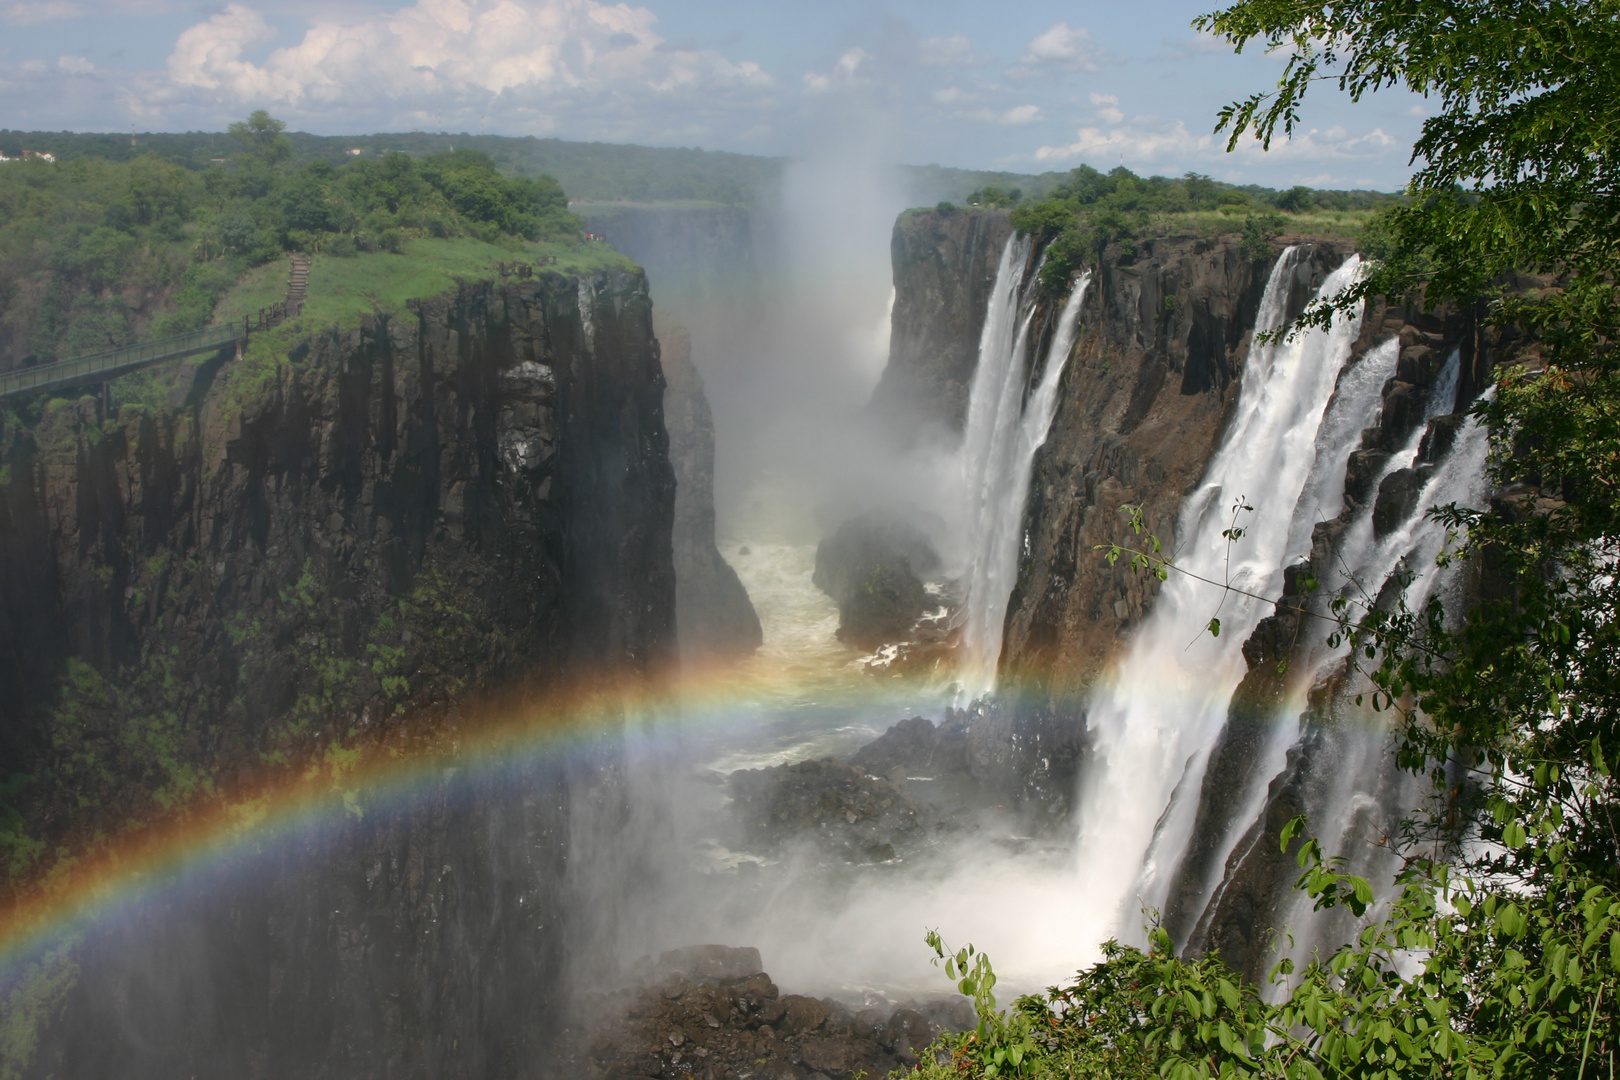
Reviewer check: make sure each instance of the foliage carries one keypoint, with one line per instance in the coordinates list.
(1003, 1043)
(1090, 211)
(1498, 955)
(1460, 978)
(95, 253)
(995, 197)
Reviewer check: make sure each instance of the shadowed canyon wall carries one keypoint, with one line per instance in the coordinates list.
(944, 268)
(1164, 334)
(713, 615)
(393, 531)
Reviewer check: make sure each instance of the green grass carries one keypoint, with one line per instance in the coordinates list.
(341, 290)
(344, 290)
(1346, 223)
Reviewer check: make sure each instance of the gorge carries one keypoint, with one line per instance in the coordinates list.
(560, 726)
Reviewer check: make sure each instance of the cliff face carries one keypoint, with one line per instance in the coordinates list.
(944, 267)
(1141, 412)
(364, 540)
(1254, 883)
(1165, 333)
(713, 615)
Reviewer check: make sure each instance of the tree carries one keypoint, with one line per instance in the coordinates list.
(261, 138)
(1501, 959)
(1296, 200)
(1517, 174)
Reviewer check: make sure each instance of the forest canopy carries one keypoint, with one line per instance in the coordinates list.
(86, 243)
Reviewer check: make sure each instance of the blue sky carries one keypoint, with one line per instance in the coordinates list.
(1027, 87)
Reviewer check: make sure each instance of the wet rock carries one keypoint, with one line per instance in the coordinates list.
(719, 962)
(915, 746)
(870, 567)
(713, 615)
(844, 809)
(907, 1034)
(797, 1014)
(1438, 439)
(1397, 498)
(944, 270)
(722, 1030)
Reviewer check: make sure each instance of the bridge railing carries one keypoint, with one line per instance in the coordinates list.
(99, 367)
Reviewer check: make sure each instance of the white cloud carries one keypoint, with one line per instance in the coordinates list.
(1107, 107)
(439, 60)
(950, 95)
(1065, 48)
(1201, 43)
(953, 51)
(844, 73)
(75, 65)
(1148, 142)
(31, 14)
(1136, 144)
(1017, 116)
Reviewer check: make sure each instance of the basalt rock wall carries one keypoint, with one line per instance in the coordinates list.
(713, 615)
(373, 536)
(1165, 332)
(944, 268)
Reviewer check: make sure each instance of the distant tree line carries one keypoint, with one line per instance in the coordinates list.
(1089, 210)
(594, 172)
(90, 247)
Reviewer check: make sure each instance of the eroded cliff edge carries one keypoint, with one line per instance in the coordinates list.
(713, 615)
(375, 536)
(944, 268)
(1165, 331)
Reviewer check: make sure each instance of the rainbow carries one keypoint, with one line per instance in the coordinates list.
(374, 776)
(386, 774)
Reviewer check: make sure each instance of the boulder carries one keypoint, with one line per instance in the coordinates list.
(718, 962)
(844, 809)
(915, 746)
(870, 567)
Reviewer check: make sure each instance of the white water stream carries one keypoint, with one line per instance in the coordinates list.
(1157, 714)
(1004, 430)
(1041, 907)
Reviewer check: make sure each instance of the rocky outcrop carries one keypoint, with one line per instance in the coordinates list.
(916, 746)
(871, 567)
(713, 615)
(841, 808)
(944, 267)
(375, 537)
(715, 1027)
(1231, 908)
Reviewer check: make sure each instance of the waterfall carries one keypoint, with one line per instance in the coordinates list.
(1156, 715)
(1004, 430)
(1358, 797)
(1355, 406)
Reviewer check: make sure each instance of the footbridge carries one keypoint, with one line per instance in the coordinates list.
(103, 367)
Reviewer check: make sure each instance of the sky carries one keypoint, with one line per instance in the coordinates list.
(1027, 87)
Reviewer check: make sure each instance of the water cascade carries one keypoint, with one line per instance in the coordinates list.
(1355, 406)
(1158, 713)
(1004, 430)
(1357, 796)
